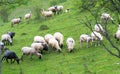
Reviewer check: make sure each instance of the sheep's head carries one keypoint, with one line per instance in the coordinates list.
(45, 46)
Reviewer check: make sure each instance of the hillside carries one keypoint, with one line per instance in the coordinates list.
(92, 60)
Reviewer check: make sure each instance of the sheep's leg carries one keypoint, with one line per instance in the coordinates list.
(31, 56)
(22, 56)
(7, 60)
(11, 61)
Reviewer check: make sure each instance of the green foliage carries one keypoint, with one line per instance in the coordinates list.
(43, 27)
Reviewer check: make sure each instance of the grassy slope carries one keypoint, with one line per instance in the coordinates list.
(96, 58)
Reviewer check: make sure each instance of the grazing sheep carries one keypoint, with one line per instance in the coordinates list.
(106, 16)
(39, 47)
(10, 55)
(39, 39)
(48, 37)
(59, 8)
(97, 37)
(117, 34)
(70, 44)
(85, 38)
(46, 13)
(52, 9)
(99, 28)
(67, 10)
(6, 39)
(12, 34)
(15, 21)
(1, 45)
(59, 37)
(54, 44)
(28, 15)
(30, 51)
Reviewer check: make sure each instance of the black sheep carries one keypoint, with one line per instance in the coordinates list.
(10, 55)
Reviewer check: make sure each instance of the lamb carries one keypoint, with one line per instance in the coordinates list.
(47, 13)
(54, 44)
(48, 37)
(28, 15)
(39, 47)
(59, 8)
(12, 34)
(117, 34)
(15, 21)
(99, 28)
(85, 38)
(10, 55)
(70, 44)
(30, 51)
(39, 39)
(106, 16)
(97, 37)
(59, 37)
(6, 39)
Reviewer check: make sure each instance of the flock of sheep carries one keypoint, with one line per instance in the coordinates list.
(51, 10)
(54, 41)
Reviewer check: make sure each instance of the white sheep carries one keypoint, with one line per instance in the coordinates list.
(85, 38)
(30, 51)
(70, 44)
(54, 44)
(96, 37)
(15, 21)
(47, 13)
(106, 16)
(59, 8)
(28, 15)
(39, 39)
(39, 47)
(99, 28)
(6, 39)
(67, 10)
(117, 34)
(52, 9)
(48, 37)
(59, 37)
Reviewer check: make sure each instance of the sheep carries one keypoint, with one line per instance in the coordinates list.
(52, 9)
(85, 38)
(59, 37)
(8, 54)
(99, 28)
(48, 37)
(12, 34)
(28, 16)
(15, 21)
(106, 16)
(30, 51)
(6, 39)
(96, 37)
(39, 47)
(117, 34)
(70, 44)
(39, 39)
(59, 8)
(54, 44)
(46, 13)
(1, 45)
(67, 10)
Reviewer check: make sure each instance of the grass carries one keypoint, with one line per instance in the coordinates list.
(93, 60)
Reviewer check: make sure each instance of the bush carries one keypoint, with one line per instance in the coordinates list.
(43, 27)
